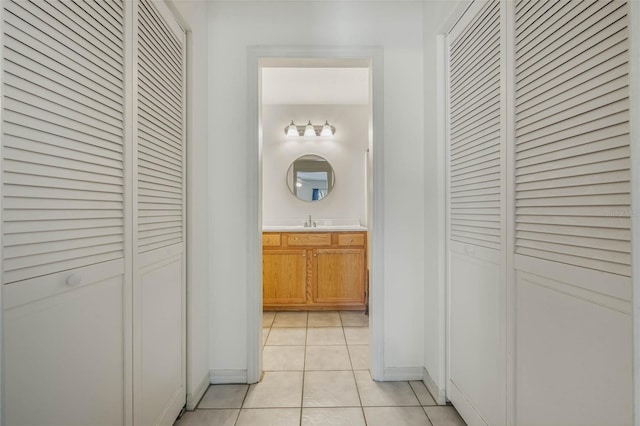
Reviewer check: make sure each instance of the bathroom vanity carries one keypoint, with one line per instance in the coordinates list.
(314, 269)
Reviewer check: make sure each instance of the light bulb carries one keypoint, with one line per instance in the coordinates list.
(309, 130)
(291, 129)
(326, 129)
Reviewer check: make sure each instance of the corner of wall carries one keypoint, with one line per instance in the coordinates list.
(402, 374)
(224, 377)
(194, 398)
(438, 393)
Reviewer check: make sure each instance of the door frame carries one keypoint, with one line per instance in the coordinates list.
(254, 192)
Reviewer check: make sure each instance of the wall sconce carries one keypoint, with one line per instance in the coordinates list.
(309, 129)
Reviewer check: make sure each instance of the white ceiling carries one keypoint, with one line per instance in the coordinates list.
(309, 86)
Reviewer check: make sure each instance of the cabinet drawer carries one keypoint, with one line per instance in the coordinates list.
(315, 239)
(271, 240)
(350, 239)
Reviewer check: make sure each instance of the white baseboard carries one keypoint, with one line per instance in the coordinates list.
(464, 407)
(439, 394)
(194, 397)
(220, 377)
(398, 374)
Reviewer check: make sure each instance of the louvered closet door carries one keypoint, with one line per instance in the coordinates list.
(63, 243)
(476, 216)
(573, 238)
(159, 261)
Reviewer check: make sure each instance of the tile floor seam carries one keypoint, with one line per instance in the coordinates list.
(364, 417)
(240, 411)
(416, 395)
(304, 370)
(244, 398)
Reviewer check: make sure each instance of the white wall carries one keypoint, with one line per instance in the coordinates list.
(193, 16)
(397, 27)
(345, 151)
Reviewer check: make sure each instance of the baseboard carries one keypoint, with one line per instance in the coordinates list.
(439, 394)
(464, 407)
(399, 374)
(221, 377)
(194, 398)
(172, 410)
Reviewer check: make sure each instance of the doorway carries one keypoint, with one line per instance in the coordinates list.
(369, 171)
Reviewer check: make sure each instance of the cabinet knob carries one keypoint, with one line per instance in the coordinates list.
(315, 254)
(350, 240)
(73, 280)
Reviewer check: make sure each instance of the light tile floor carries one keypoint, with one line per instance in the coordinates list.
(316, 372)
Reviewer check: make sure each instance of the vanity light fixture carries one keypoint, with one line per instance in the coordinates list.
(309, 129)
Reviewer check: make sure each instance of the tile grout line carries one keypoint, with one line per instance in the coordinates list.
(244, 398)
(353, 373)
(304, 368)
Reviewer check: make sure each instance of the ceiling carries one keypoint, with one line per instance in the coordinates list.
(315, 85)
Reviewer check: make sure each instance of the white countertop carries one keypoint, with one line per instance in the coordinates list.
(322, 228)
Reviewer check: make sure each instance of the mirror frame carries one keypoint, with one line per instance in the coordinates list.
(312, 163)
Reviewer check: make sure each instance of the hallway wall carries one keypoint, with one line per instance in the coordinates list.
(398, 28)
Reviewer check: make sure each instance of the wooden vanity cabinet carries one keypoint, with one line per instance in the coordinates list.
(314, 271)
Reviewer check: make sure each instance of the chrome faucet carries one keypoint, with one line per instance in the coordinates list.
(309, 223)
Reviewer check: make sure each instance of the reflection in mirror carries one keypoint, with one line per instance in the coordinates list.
(310, 178)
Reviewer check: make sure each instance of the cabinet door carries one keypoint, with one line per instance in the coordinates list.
(339, 276)
(284, 276)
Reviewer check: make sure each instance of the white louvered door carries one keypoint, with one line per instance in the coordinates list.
(63, 219)
(572, 213)
(477, 381)
(540, 210)
(93, 220)
(159, 249)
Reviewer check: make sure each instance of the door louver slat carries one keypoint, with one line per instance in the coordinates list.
(63, 137)
(160, 143)
(474, 151)
(572, 137)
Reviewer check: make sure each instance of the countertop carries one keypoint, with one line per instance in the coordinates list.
(323, 228)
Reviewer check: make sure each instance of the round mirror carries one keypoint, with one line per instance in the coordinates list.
(310, 178)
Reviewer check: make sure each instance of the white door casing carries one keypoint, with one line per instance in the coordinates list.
(376, 202)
